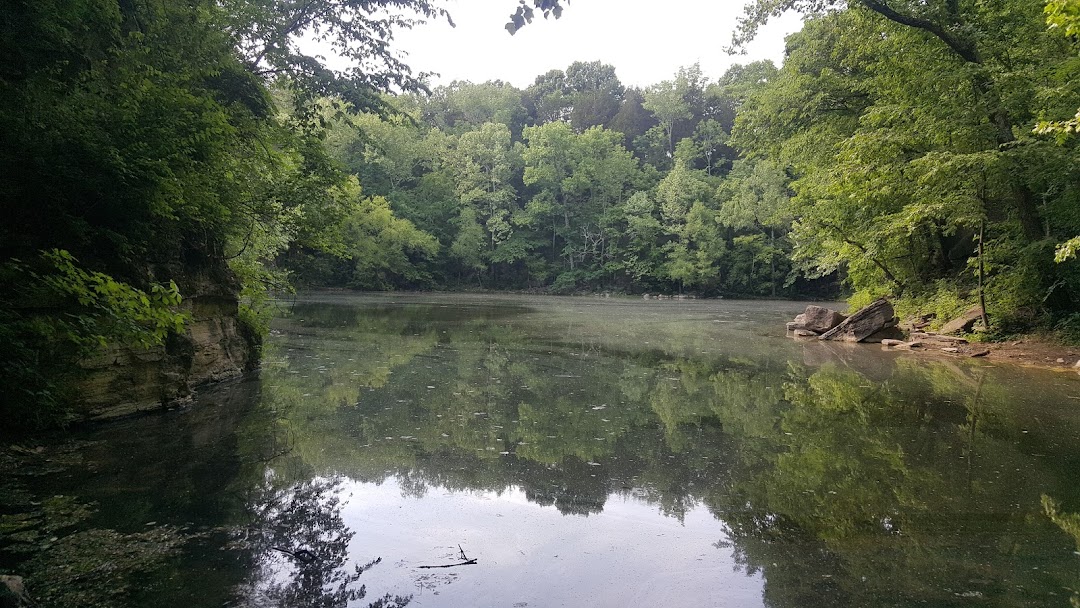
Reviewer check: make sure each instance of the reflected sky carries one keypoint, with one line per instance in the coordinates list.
(530, 555)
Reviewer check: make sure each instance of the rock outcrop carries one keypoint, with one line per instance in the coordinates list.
(870, 320)
(215, 346)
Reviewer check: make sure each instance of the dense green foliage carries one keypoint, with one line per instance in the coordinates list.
(575, 183)
(908, 130)
(143, 149)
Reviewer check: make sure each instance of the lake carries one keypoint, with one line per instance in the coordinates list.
(511, 451)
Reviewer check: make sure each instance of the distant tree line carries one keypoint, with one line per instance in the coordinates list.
(575, 183)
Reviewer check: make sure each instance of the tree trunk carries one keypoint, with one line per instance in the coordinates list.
(982, 294)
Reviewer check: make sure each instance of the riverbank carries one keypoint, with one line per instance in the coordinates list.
(1027, 351)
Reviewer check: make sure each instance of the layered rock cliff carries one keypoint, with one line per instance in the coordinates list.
(215, 346)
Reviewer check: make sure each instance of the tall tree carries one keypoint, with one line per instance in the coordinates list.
(484, 162)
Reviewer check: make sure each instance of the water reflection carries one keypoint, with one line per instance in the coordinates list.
(845, 479)
(620, 453)
(304, 545)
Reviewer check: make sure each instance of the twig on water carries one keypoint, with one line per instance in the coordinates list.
(470, 562)
(465, 561)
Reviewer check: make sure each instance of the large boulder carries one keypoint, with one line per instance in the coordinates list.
(864, 323)
(819, 319)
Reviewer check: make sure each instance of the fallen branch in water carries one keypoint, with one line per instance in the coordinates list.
(466, 561)
(471, 562)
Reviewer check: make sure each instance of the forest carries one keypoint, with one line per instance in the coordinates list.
(925, 151)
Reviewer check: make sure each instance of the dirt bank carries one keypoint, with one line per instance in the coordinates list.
(1031, 351)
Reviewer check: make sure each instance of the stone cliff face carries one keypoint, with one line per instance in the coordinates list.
(214, 346)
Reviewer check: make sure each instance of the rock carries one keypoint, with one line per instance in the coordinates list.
(214, 346)
(816, 319)
(950, 349)
(891, 332)
(13, 592)
(805, 333)
(819, 319)
(863, 323)
(645, 296)
(964, 322)
(1060, 360)
(891, 342)
(980, 353)
(949, 340)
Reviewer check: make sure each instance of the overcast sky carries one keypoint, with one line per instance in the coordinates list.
(646, 41)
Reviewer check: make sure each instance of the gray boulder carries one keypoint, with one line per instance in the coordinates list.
(820, 319)
(869, 320)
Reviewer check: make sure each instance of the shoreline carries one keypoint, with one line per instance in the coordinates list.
(1030, 350)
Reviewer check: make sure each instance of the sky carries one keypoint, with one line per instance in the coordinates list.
(646, 41)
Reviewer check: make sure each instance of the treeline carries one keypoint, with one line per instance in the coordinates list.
(575, 183)
(921, 152)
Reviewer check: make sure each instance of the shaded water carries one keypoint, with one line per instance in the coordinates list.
(593, 452)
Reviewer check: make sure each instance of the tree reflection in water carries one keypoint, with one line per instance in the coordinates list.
(301, 548)
(842, 477)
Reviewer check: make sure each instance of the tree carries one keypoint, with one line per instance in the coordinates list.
(484, 162)
(754, 199)
(268, 33)
(968, 35)
(549, 98)
(580, 179)
(1065, 17)
(596, 94)
(632, 119)
(695, 245)
(464, 106)
(667, 103)
(151, 140)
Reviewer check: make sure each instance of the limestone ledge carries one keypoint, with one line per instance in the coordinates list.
(122, 381)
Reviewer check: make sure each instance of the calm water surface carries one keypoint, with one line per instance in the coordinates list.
(598, 452)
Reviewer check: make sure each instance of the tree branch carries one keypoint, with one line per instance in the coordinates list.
(963, 48)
